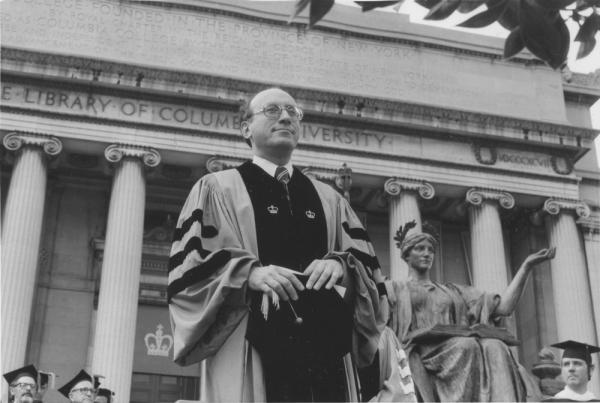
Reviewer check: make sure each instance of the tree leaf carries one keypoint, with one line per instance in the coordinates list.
(442, 10)
(544, 33)
(466, 6)
(510, 18)
(582, 4)
(554, 4)
(514, 43)
(300, 5)
(486, 17)
(428, 3)
(318, 9)
(585, 48)
(370, 5)
(586, 35)
(589, 28)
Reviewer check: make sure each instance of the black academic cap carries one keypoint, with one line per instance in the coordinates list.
(575, 349)
(29, 370)
(81, 376)
(106, 394)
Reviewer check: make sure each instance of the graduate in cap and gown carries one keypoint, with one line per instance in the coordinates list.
(576, 371)
(82, 388)
(27, 384)
(265, 243)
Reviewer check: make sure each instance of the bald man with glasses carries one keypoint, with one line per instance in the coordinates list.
(271, 274)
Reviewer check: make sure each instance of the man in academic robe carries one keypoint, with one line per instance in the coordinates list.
(82, 388)
(261, 257)
(27, 384)
(576, 371)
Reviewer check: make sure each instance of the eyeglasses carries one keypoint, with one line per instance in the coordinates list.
(84, 390)
(274, 111)
(24, 385)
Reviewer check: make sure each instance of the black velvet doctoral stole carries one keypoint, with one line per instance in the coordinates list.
(285, 239)
(301, 362)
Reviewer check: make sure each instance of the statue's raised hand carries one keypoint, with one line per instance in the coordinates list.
(540, 256)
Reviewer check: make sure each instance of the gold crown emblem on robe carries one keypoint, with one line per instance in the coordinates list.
(158, 343)
(310, 214)
(272, 209)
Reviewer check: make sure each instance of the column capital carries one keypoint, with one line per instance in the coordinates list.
(50, 144)
(590, 225)
(394, 186)
(476, 196)
(218, 163)
(554, 206)
(116, 152)
(322, 174)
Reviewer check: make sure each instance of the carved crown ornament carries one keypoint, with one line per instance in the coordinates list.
(553, 206)
(116, 152)
(394, 186)
(16, 140)
(476, 196)
(157, 343)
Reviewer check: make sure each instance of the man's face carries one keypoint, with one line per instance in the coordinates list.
(574, 372)
(272, 138)
(82, 392)
(24, 389)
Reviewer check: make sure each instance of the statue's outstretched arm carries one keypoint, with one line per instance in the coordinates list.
(513, 292)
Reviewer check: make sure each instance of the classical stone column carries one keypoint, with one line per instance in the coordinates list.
(404, 207)
(590, 226)
(488, 260)
(114, 337)
(570, 285)
(21, 233)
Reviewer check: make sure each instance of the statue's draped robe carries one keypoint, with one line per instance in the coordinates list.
(456, 368)
(214, 248)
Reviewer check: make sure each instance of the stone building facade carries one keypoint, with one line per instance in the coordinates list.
(111, 110)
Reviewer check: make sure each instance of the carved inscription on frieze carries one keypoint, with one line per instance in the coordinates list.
(200, 120)
(222, 44)
(135, 110)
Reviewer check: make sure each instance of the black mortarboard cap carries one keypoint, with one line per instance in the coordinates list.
(575, 349)
(81, 376)
(29, 370)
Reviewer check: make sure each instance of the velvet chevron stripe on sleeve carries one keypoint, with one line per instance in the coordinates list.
(199, 273)
(356, 233)
(194, 244)
(208, 231)
(367, 260)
